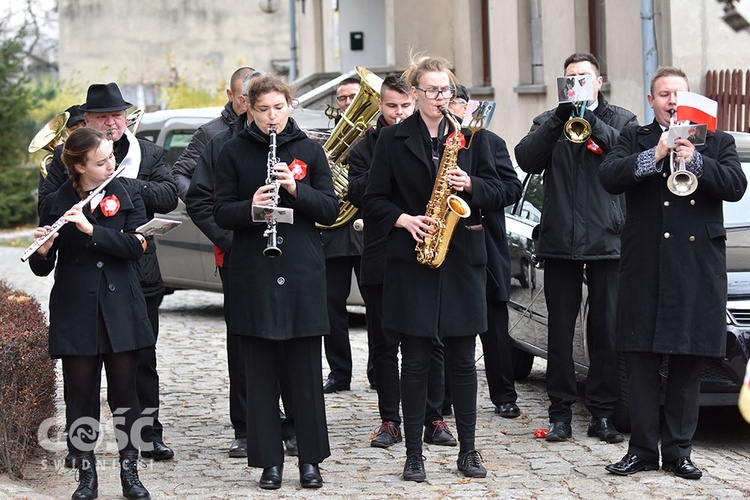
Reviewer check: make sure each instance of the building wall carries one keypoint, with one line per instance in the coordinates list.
(146, 42)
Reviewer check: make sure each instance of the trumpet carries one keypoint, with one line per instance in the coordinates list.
(59, 223)
(272, 248)
(681, 182)
(577, 129)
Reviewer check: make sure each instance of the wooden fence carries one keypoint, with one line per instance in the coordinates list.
(731, 89)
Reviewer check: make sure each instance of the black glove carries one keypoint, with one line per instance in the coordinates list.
(590, 117)
(564, 110)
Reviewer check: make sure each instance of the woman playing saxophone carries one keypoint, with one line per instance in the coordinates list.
(427, 305)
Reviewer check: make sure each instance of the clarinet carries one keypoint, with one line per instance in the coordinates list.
(59, 223)
(272, 248)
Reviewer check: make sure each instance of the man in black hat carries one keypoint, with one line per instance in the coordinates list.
(104, 110)
(75, 118)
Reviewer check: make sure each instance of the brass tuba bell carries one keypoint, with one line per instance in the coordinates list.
(351, 127)
(48, 138)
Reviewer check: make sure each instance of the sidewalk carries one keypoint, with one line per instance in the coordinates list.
(192, 366)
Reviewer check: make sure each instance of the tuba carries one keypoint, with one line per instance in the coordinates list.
(48, 138)
(350, 128)
(444, 206)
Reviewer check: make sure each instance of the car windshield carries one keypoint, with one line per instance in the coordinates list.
(737, 214)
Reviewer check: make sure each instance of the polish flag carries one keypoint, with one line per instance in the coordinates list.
(697, 108)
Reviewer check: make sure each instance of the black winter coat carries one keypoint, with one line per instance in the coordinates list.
(183, 168)
(156, 187)
(374, 235)
(200, 199)
(95, 273)
(284, 297)
(419, 300)
(673, 277)
(496, 238)
(580, 220)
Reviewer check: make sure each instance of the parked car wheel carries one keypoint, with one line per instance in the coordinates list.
(522, 363)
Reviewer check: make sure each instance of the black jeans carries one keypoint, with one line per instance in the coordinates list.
(498, 355)
(415, 367)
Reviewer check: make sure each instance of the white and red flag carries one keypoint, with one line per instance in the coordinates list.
(697, 108)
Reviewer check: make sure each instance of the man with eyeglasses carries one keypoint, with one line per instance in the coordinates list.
(343, 251)
(579, 238)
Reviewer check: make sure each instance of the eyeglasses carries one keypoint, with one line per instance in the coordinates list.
(433, 94)
(344, 98)
(459, 101)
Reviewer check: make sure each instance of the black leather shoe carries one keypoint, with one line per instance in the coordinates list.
(683, 467)
(558, 432)
(605, 429)
(508, 410)
(271, 477)
(386, 435)
(470, 463)
(333, 385)
(290, 444)
(439, 433)
(630, 464)
(238, 449)
(414, 468)
(309, 476)
(159, 452)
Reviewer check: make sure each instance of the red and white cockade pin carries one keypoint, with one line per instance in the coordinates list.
(109, 205)
(298, 169)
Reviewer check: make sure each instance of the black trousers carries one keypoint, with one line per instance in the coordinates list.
(237, 402)
(262, 371)
(83, 382)
(681, 405)
(563, 281)
(147, 379)
(415, 366)
(498, 355)
(337, 347)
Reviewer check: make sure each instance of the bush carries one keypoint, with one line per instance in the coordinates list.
(27, 378)
(17, 201)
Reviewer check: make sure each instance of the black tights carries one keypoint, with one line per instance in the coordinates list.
(461, 367)
(82, 379)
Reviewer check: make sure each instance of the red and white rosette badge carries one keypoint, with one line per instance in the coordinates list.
(298, 169)
(110, 205)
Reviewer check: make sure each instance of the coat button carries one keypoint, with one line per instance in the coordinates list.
(691, 239)
(111, 288)
(665, 175)
(666, 203)
(99, 265)
(667, 235)
(280, 280)
(692, 202)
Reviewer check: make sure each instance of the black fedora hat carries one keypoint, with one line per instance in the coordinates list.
(76, 115)
(101, 98)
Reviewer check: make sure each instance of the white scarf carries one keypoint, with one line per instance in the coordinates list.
(132, 160)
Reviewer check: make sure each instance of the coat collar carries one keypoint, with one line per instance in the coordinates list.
(66, 197)
(648, 136)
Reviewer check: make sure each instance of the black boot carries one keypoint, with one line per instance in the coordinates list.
(131, 485)
(88, 482)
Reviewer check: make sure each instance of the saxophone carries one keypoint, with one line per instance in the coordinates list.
(444, 206)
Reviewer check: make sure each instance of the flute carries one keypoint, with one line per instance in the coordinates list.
(59, 223)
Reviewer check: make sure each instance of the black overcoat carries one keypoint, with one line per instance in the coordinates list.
(673, 279)
(496, 238)
(284, 297)
(95, 273)
(419, 300)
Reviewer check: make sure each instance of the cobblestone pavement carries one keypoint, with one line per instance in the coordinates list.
(195, 415)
